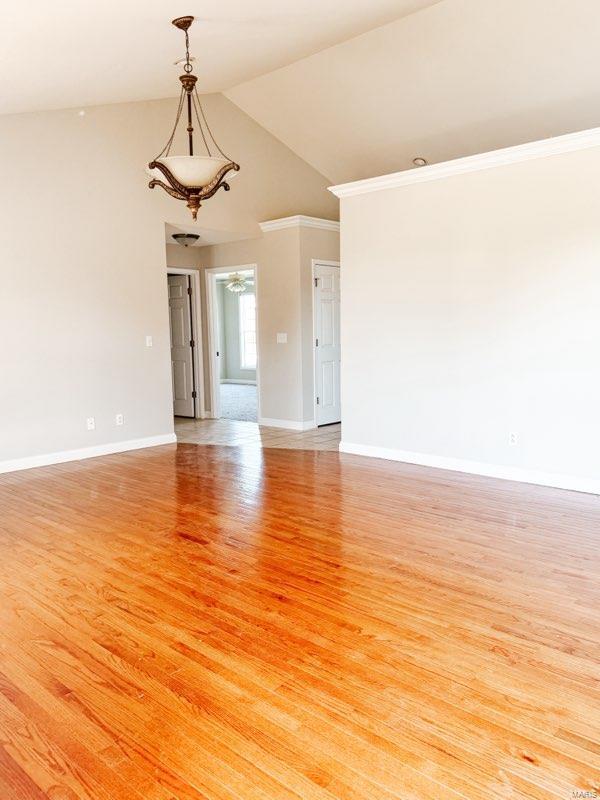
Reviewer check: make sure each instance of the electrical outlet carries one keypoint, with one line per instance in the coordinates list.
(91, 424)
(119, 419)
(513, 439)
(148, 341)
(282, 338)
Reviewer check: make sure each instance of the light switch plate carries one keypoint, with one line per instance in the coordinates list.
(148, 341)
(282, 338)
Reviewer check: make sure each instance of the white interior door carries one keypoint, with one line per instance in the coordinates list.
(327, 344)
(182, 343)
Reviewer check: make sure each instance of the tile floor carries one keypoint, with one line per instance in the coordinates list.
(249, 434)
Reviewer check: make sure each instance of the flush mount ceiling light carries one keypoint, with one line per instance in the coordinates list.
(237, 283)
(186, 239)
(191, 177)
(420, 162)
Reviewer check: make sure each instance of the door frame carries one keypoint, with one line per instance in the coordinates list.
(314, 263)
(197, 354)
(211, 322)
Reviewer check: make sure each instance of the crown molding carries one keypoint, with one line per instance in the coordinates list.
(568, 143)
(299, 221)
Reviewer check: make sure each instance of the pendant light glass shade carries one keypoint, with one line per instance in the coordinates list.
(191, 171)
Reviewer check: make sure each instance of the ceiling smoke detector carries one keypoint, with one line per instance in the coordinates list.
(186, 239)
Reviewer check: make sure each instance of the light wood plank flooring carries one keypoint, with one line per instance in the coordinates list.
(202, 622)
(249, 434)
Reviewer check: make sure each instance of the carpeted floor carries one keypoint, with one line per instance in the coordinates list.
(238, 401)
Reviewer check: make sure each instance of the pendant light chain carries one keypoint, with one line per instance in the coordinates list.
(200, 127)
(210, 133)
(188, 67)
(167, 148)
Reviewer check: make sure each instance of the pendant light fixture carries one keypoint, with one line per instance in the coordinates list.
(186, 239)
(237, 283)
(191, 177)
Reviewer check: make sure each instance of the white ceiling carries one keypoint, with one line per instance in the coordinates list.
(72, 53)
(457, 78)
(207, 235)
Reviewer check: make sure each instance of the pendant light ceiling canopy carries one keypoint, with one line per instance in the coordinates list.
(193, 177)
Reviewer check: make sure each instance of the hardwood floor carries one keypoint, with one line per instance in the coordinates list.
(266, 624)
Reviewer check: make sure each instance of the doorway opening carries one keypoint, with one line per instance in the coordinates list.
(233, 342)
(327, 348)
(185, 328)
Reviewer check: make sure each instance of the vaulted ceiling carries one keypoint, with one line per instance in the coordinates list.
(70, 53)
(457, 78)
(356, 88)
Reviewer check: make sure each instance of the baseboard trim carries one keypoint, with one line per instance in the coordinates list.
(235, 380)
(47, 459)
(553, 480)
(289, 424)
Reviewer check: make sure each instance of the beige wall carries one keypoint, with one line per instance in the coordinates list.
(279, 310)
(470, 310)
(276, 255)
(284, 301)
(82, 265)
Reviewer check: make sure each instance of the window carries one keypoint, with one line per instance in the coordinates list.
(247, 331)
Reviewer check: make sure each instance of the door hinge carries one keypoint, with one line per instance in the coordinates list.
(316, 282)
(317, 401)
(189, 290)
(217, 353)
(192, 343)
(316, 342)
(194, 394)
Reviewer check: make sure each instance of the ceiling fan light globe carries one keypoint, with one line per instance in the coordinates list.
(236, 284)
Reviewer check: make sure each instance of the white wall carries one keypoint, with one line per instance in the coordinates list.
(83, 269)
(470, 310)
